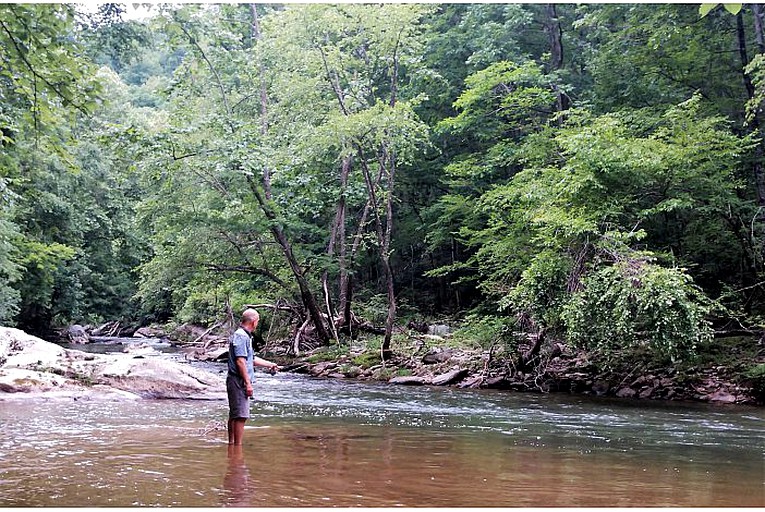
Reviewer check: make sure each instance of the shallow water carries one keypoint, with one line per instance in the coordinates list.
(315, 442)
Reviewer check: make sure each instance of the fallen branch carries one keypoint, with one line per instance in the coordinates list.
(215, 326)
(275, 307)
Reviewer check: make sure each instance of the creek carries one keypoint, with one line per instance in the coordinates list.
(325, 443)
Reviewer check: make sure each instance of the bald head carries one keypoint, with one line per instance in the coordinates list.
(250, 319)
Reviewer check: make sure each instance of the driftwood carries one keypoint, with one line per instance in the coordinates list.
(201, 336)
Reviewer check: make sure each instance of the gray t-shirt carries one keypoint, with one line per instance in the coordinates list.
(240, 345)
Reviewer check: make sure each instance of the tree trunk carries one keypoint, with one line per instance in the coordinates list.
(391, 157)
(758, 171)
(263, 99)
(309, 301)
(387, 169)
(344, 278)
(383, 232)
(526, 359)
(555, 34)
(759, 36)
(307, 297)
(337, 237)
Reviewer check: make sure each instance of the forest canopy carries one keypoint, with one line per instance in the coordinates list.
(590, 173)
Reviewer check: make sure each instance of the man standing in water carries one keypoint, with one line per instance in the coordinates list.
(241, 374)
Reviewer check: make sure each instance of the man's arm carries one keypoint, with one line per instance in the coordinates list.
(257, 361)
(241, 364)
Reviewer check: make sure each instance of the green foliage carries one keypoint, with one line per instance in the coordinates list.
(331, 353)
(636, 306)
(607, 185)
(756, 69)
(131, 189)
(10, 270)
(756, 375)
(41, 66)
(368, 359)
(484, 331)
(651, 56)
(542, 289)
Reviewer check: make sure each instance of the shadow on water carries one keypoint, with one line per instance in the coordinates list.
(334, 443)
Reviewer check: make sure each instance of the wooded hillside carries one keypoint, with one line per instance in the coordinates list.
(588, 174)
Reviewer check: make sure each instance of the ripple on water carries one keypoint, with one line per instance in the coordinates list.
(330, 443)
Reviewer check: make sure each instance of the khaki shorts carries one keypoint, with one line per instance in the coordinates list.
(238, 402)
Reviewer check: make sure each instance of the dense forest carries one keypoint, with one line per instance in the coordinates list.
(563, 173)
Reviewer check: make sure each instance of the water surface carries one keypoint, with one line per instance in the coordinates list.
(319, 443)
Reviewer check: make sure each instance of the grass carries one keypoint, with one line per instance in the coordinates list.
(331, 353)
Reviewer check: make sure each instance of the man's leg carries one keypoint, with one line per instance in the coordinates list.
(236, 430)
(239, 410)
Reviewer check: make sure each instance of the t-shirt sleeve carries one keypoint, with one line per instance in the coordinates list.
(240, 345)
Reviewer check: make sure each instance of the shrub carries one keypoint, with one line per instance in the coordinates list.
(633, 307)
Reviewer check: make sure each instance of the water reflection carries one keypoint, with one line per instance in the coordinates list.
(236, 482)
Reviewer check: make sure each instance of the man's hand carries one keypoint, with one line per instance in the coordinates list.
(248, 389)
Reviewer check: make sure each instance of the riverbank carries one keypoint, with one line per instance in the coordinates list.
(726, 370)
(561, 370)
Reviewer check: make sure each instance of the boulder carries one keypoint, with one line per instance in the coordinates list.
(449, 377)
(600, 387)
(473, 382)
(159, 378)
(29, 364)
(217, 354)
(626, 392)
(77, 334)
(721, 396)
(149, 332)
(323, 367)
(437, 356)
(439, 329)
(497, 382)
(107, 329)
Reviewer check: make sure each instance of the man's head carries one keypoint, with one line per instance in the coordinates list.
(250, 319)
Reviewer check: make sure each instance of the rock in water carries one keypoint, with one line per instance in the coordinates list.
(408, 380)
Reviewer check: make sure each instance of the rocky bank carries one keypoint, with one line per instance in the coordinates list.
(561, 370)
(31, 366)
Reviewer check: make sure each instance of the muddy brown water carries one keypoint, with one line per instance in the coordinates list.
(327, 443)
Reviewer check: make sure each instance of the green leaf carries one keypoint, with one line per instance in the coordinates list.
(732, 8)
